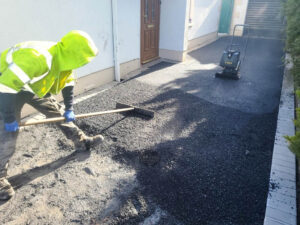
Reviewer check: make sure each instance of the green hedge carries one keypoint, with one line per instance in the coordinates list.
(292, 12)
(292, 9)
(295, 140)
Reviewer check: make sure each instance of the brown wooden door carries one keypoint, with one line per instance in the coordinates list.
(149, 29)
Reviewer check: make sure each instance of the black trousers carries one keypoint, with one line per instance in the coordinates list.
(47, 106)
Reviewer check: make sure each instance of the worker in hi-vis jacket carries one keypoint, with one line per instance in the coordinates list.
(30, 73)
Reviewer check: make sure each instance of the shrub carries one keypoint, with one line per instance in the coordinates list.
(292, 9)
(295, 140)
(292, 12)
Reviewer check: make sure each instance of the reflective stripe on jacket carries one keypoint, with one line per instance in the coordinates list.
(29, 66)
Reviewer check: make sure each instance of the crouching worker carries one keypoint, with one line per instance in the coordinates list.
(30, 73)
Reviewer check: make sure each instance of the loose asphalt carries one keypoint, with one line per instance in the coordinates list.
(206, 157)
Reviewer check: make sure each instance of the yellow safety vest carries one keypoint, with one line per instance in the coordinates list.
(43, 67)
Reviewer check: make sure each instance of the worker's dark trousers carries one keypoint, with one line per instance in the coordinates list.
(47, 106)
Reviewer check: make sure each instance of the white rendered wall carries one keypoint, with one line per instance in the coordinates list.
(49, 20)
(172, 24)
(205, 17)
(239, 14)
(129, 27)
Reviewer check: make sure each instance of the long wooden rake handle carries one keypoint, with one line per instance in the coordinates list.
(60, 119)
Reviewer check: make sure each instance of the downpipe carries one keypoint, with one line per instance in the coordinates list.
(114, 6)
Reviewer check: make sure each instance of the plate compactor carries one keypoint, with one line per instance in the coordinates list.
(231, 58)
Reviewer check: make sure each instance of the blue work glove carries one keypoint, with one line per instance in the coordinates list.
(69, 115)
(11, 127)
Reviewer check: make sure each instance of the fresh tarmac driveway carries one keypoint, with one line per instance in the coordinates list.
(222, 175)
(214, 137)
(204, 159)
(257, 91)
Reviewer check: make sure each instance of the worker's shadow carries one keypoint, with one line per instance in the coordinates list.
(22, 179)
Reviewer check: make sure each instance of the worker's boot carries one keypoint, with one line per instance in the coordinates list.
(82, 142)
(85, 143)
(6, 190)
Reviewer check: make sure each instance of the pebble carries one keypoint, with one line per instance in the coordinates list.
(56, 175)
(27, 155)
(89, 171)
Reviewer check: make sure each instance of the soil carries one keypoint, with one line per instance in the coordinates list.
(195, 162)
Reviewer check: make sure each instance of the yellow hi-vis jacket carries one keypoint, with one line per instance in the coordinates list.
(43, 67)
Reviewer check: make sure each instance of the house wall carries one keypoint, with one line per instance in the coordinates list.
(203, 22)
(186, 25)
(204, 18)
(172, 29)
(129, 26)
(239, 15)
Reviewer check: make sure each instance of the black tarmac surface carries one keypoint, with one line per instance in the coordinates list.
(205, 158)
